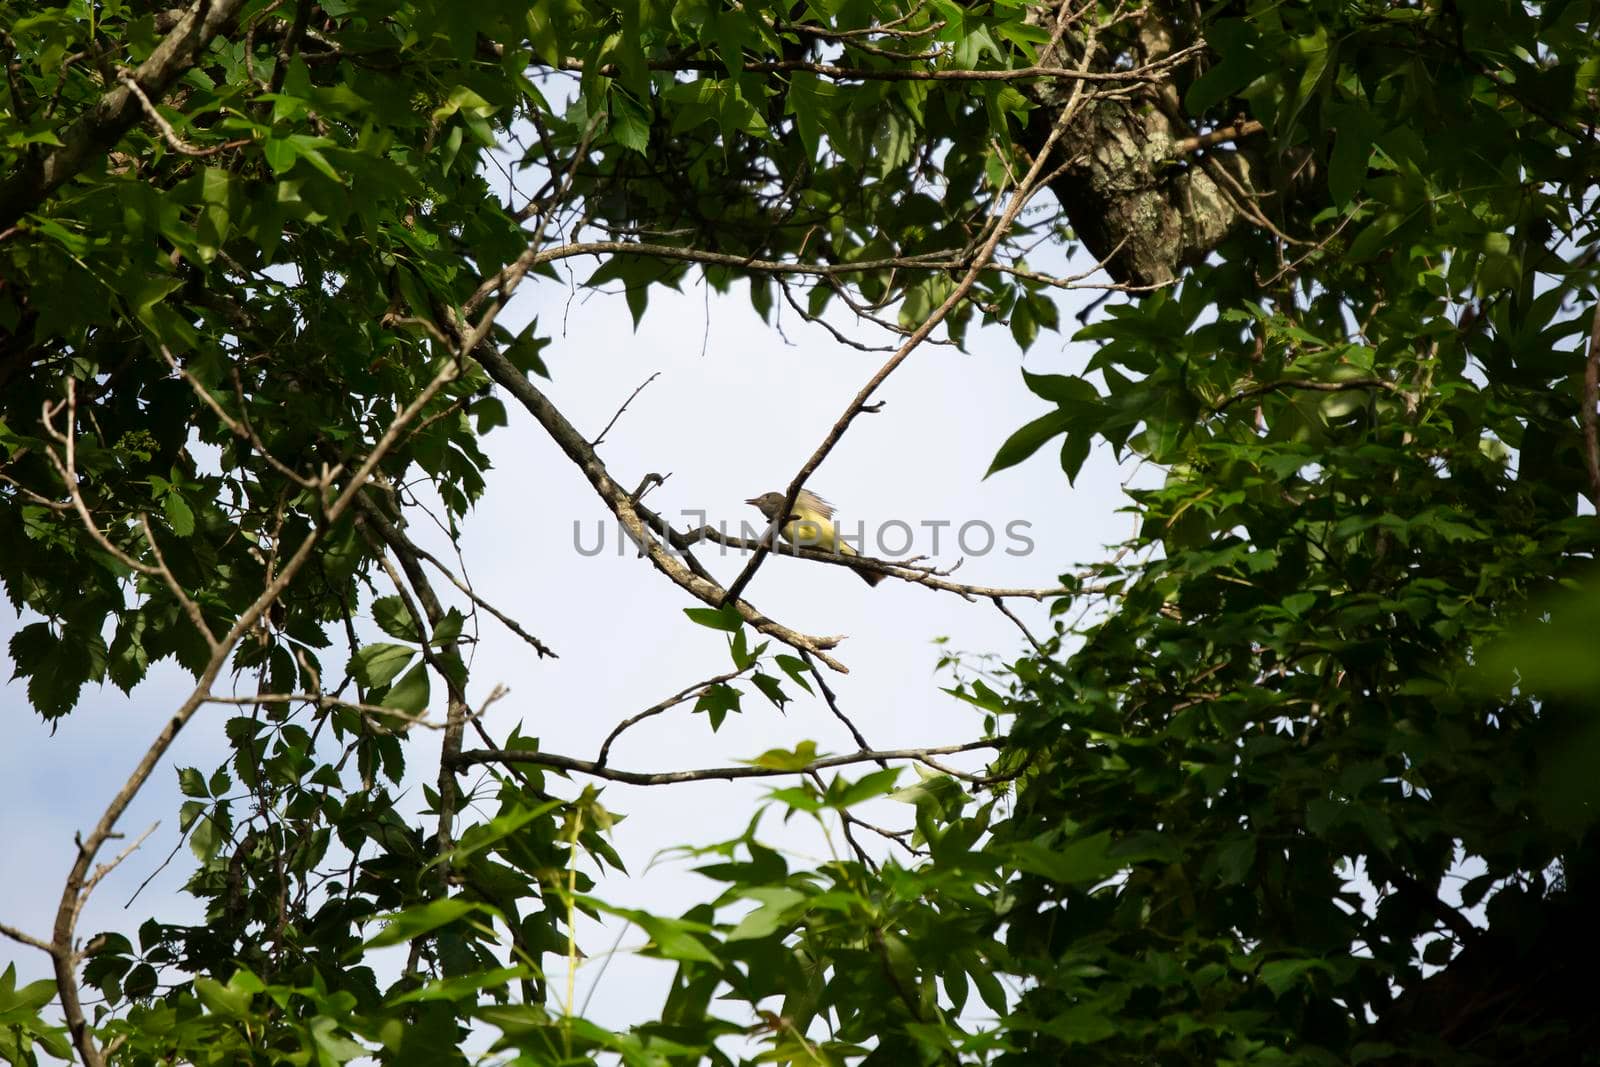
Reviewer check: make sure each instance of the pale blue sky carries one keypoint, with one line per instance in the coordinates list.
(734, 413)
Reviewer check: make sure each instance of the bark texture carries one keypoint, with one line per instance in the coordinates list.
(1136, 204)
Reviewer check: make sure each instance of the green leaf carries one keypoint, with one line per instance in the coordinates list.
(778, 905)
(1028, 440)
(1074, 450)
(716, 702)
(378, 664)
(777, 759)
(524, 351)
(1241, 63)
(725, 618)
(879, 783)
(630, 120)
(192, 783)
(395, 619)
(770, 688)
(1084, 861)
(1280, 975)
(205, 838)
(448, 630)
(673, 939)
(402, 926)
(462, 987)
(1352, 149)
(410, 693)
(796, 669)
(1063, 390)
(179, 517)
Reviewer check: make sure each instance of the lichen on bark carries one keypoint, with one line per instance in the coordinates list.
(1137, 201)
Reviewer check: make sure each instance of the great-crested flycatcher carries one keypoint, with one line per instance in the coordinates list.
(811, 524)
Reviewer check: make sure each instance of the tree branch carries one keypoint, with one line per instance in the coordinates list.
(627, 512)
(666, 705)
(507, 621)
(1147, 72)
(596, 442)
(1031, 182)
(27, 939)
(456, 708)
(1307, 386)
(906, 572)
(96, 130)
(74, 892)
(1220, 135)
(170, 135)
(589, 767)
(1588, 414)
(832, 701)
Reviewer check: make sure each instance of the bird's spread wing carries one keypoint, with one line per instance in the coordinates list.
(813, 503)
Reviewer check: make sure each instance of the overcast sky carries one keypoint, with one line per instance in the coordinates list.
(735, 412)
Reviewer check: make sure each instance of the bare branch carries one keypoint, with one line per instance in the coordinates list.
(104, 869)
(1008, 613)
(42, 501)
(536, 256)
(832, 71)
(580, 766)
(190, 608)
(1221, 135)
(596, 442)
(832, 701)
(505, 620)
(666, 705)
(375, 525)
(323, 700)
(1307, 386)
(685, 573)
(1591, 401)
(903, 570)
(67, 468)
(27, 939)
(170, 135)
(240, 427)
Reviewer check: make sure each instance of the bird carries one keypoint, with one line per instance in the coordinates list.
(810, 524)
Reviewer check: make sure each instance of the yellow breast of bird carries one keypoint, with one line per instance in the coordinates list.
(815, 532)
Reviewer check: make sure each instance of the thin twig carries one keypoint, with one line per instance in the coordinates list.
(1221, 135)
(240, 427)
(1308, 386)
(1591, 401)
(170, 135)
(1008, 613)
(505, 620)
(27, 939)
(82, 143)
(845, 821)
(190, 608)
(104, 869)
(1146, 73)
(665, 705)
(322, 700)
(596, 442)
(832, 701)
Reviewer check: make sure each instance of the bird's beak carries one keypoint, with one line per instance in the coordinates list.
(754, 501)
